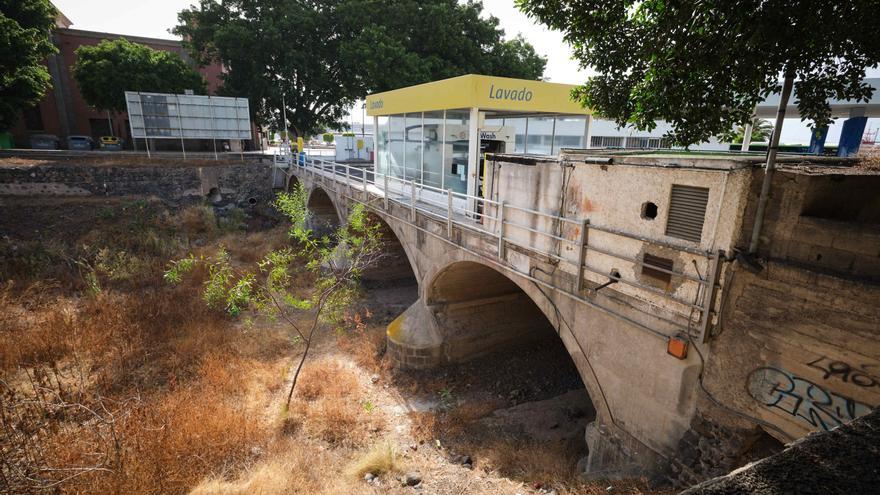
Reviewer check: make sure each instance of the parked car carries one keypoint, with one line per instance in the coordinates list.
(45, 142)
(111, 143)
(80, 143)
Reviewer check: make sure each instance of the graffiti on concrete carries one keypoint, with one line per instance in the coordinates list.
(857, 375)
(803, 399)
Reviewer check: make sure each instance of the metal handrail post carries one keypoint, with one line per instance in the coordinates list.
(412, 201)
(709, 295)
(449, 214)
(501, 231)
(364, 182)
(582, 254)
(385, 178)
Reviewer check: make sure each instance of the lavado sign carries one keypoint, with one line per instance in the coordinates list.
(509, 94)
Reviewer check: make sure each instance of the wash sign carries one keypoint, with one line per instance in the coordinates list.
(169, 116)
(475, 91)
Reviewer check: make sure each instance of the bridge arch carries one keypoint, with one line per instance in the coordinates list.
(482, 309)
(293, 183)
(325, 216)
(397, 264)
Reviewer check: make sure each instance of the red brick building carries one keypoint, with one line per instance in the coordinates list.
(63, 111)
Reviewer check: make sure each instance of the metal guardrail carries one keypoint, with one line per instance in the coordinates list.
(493, 219)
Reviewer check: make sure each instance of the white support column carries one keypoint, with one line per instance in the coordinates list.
(747, 137)
(588, 132)
(473, 157)
(443, 154)
(375, 144)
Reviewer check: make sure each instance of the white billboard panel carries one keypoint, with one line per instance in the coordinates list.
(168, 116)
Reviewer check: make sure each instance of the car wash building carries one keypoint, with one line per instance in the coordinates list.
(438, 133)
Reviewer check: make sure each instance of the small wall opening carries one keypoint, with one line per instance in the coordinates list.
(214, 195)
(654, 266)
(758, 445)
(649, 211)
(843, 198)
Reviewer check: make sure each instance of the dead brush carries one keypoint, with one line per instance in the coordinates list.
(380, 459)
(197, 221)
(160, 444)
(327, 378)
(253, 246)
(330, 406)
(365, 343)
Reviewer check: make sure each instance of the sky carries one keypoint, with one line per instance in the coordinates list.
(153, 18)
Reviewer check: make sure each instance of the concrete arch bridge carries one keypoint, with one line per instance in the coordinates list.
(491, 272)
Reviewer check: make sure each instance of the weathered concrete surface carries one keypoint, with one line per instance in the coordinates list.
(845, 461)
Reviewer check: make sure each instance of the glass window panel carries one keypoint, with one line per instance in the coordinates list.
(607, 142)
(520, 140)
(432, 135)
(636, 142)
(456, 146)
(569, 133)
(382, 150)
(413, 146)
(397, 123)
(493, 121)
(540, 138)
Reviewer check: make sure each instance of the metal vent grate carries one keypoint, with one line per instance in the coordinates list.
(687, 211)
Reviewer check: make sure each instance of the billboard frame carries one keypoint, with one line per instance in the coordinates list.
(184, 106)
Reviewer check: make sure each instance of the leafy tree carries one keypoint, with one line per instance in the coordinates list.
(335, 262)
(105, 71)
(328, 138)
(411, 42)
(703, 66)
(24, 44)
(325, 54)
(761, 131)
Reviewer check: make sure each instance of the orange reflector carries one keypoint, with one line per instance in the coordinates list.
(678, 347)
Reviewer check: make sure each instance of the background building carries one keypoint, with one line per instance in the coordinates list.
(64, 112)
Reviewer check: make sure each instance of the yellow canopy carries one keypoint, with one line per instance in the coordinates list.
(483, 92)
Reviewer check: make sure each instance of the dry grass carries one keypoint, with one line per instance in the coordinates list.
(329, 406)
(254, 246)
(365, 344)
(380, 459)
(870, 160)
(290, 466)
(197, 221)
(137, 388)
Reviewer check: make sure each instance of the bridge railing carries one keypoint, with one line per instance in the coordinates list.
(564, 241)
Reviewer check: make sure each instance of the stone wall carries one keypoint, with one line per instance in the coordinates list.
(242, 184)
(841, 461)
(796, 351)
(825, 222)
